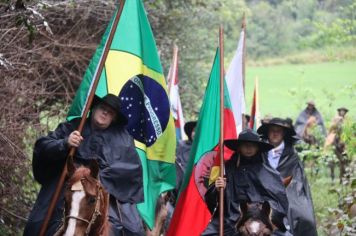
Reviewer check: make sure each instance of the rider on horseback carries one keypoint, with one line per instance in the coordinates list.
(306, 119)
(105, 139)
(248, 179)
(283, 158)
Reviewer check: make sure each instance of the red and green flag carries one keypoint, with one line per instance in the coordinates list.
(191, 215)
(133, 72)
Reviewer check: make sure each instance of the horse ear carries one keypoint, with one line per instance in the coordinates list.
(266, 208)
(70, 166)
(94, 168)
(243, 207)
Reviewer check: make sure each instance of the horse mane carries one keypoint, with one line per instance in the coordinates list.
(104, 231)
(80, 173)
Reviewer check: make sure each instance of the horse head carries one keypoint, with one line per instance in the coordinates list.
(255, 219)
(308, 135)
(161, 214)
(86, 202)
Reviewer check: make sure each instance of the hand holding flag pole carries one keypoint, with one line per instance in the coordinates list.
(83, 119)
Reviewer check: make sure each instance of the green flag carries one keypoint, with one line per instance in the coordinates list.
(133, 72)
(191, 215)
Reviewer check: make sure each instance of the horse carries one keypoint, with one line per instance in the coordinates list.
(255, 219)
(86, 203)
(311, 136)
(334, 141)
(308, 135)
(161, 214)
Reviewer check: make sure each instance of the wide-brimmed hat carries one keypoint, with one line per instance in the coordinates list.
(188, 128)
(250, 136)
(289, 130)
(311, 102)
(343, 109)
(112, 101)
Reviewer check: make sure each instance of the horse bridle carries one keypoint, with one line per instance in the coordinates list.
(95, 214)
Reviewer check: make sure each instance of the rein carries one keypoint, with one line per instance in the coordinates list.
(77, 218)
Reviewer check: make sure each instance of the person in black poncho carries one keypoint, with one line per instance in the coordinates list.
(284, 158)
(309, 115)
(247, 179)
(105, 139)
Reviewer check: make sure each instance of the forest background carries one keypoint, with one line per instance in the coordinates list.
(299, 50)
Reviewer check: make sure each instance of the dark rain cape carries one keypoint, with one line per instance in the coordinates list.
(301, 211)
(252, 181)
(182, 157)
(302, 119)
(120, 171)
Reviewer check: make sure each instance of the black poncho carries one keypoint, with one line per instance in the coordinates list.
(120, 167)
(251, 181)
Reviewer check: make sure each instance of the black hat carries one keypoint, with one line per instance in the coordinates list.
(251, 136)
(188, 128)
(343, 109)
(112, 101)
(289, 129)
(289, 121)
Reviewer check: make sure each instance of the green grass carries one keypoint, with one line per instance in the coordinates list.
(310, 56)
(284, 89)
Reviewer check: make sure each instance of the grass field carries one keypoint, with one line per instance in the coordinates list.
(284, 89)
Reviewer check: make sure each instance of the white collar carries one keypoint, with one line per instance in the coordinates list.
(275, 154)
(277, 151)
(279, 147)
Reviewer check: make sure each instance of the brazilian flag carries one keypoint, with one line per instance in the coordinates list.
(133, 72)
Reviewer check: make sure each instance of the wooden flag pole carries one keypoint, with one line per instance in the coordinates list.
(221, 143)
(243, 27)
(253, 110)
(83, 119)
(173, 73)
(257, 112)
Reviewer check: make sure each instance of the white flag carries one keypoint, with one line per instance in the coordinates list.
(234, 81)
(176, 105)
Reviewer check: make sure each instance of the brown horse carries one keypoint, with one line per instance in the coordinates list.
(308, 135)
(86, 203)
(160, 217)
(335, 142)
(255, 219)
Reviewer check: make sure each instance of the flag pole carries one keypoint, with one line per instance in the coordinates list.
(82, 121)
(173, 72)
(221, 143)
(253, 109)
(257, 112)
(243, 27)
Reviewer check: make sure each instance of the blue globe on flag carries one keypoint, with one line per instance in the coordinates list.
(147, 112)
